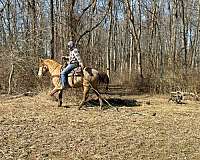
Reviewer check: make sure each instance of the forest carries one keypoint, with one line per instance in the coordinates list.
(149, 49)
(151, 46)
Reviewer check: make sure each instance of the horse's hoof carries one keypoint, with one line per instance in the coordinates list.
(79, 108)
(102, 108)
(60, 104)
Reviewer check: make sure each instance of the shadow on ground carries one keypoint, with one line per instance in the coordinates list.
(114, 102)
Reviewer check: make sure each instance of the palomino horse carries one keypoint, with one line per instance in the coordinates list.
(90, 78)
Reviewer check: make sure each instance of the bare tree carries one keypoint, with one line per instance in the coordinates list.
(157, 39)
(52, 29)
(136, 33)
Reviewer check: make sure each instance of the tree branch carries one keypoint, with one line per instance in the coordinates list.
(85, 9)
(91, 29)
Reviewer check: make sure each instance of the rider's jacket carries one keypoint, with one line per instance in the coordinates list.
(74, 56)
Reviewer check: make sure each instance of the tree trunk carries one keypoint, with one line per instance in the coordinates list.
(10, 79)
(184, 36)
(52, 29)
(136, 35)
(109, 42)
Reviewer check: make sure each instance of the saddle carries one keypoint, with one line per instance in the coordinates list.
(76, 72)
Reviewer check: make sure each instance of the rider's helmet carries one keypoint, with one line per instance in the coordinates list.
(71, 45)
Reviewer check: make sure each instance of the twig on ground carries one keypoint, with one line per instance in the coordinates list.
(22, 95)
(102, 97)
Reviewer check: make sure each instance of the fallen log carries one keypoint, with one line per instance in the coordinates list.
(22, 95)
(178, 96)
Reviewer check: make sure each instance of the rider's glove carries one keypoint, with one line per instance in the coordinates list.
(81, 64)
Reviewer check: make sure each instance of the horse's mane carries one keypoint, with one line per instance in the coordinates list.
(51, 62)
(53, 66)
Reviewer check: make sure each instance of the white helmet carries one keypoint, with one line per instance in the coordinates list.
(71, 44)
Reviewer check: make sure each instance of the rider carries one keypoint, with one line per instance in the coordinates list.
(74, 62)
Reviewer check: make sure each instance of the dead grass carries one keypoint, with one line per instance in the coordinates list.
(35, 128)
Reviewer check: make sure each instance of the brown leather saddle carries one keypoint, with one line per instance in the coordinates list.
(77, 72)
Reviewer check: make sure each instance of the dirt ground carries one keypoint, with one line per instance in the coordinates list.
(144, 128)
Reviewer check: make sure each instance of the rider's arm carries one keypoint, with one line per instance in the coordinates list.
(77, 55)
(66, 58)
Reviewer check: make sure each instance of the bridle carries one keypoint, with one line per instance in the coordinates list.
(44, 69)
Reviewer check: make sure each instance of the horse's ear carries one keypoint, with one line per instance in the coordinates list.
(41, 60)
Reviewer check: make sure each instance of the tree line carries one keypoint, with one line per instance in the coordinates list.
(151, 45)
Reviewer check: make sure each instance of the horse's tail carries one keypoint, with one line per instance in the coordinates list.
(103, 78)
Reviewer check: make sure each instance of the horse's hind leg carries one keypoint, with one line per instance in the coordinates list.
(60, 98)
(100, 99)
(99, 96)
(85, 96)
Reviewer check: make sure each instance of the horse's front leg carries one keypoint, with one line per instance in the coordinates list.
(52, 94)
(60, 92)
(60, 98)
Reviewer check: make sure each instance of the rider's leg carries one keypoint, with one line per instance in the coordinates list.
(65, 73)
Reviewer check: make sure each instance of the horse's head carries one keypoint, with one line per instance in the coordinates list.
(43, 68)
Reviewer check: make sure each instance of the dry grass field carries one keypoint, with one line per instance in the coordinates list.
(34, 128)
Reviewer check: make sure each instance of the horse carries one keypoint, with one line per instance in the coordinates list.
(89, 78)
